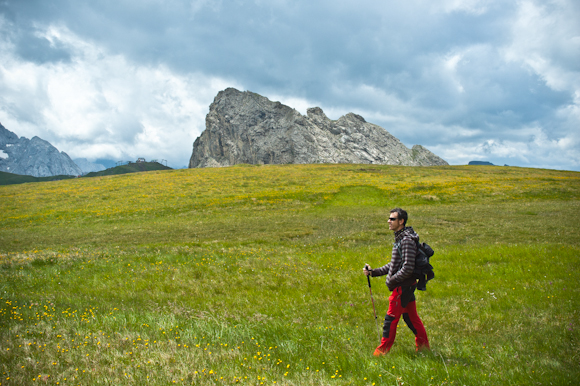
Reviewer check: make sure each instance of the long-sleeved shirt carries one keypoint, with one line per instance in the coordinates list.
(399, 270)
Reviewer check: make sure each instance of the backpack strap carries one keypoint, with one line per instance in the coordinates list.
(398, 246)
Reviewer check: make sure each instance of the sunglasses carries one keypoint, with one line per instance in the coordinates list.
(393, 218)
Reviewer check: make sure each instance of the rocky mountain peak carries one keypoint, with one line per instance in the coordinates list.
(35, 157)
(245, 127)
(316, 112)
(7, 137)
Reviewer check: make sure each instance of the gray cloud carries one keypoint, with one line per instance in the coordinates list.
(471, 79)
(40, 50)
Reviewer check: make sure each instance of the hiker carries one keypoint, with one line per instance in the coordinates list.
(400, 280)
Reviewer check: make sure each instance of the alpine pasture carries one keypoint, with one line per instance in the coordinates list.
(252, 275)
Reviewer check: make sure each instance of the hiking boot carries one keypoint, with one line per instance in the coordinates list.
(423, 347)
(382, 349)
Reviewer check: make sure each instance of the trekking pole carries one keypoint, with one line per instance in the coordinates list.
(373, 301)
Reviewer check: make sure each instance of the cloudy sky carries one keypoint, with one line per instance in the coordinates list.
(493, 80)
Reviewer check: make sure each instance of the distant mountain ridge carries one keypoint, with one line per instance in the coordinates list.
(484, 163)
(244, 127)
(35, 157)
(87, 166)
(132, 167)
(11, 179)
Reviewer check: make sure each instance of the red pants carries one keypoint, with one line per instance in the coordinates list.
(408, 308)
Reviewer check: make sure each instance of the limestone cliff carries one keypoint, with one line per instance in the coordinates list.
(244, 127)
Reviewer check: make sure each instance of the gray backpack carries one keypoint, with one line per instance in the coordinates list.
(423, 271)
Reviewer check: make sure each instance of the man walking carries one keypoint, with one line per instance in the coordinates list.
(400, 280)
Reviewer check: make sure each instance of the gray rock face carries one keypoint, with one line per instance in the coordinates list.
(35, 157)
(244, 127)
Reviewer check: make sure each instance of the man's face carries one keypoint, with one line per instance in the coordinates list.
(395, 224)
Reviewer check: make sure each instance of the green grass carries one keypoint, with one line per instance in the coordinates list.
(253, 275)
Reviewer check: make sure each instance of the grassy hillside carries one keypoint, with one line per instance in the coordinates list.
(129, 168)
(10, 178)
(253, 275)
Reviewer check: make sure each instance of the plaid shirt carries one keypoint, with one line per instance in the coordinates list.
(399, 270)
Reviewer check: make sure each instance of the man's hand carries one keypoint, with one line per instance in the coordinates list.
(367, 270)
(390, 284)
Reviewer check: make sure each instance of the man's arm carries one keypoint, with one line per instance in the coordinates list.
(384, 270)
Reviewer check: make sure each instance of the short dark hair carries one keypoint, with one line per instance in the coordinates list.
(401, 213)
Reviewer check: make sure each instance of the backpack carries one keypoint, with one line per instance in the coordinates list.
(423, 271)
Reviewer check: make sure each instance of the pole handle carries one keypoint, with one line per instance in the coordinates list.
(368, 276)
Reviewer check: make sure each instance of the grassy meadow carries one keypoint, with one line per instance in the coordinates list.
(252, 275)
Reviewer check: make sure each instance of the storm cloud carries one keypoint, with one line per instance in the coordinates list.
(470, 80)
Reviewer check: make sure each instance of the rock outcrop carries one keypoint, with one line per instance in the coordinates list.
(244, 127)
(33, 157)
